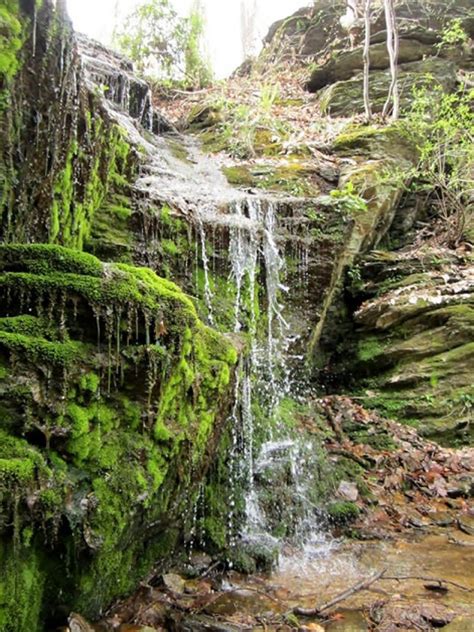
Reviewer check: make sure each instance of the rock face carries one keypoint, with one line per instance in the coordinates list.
(113, 392)
(316, 35)
(415, 344)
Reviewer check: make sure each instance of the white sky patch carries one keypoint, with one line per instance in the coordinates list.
(97, 19)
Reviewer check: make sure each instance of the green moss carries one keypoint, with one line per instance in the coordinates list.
(128, 424)
(38, 350)
(10, 39)
(179, 150)
(44, 258)
(371, 347)
(342, 512)
(295, 178)
(21, 588)
(105, 173)
(30, 326)
(90, 382)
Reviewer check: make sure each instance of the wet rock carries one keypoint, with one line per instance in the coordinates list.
(441, 519)
(348, 491)
(79, 624)
(265, 554)
(174, 582)
(418, 616)
(196, 587)
(466, 523)
(311, 627)
(242, 562)
(459, 624)
(342, 512)
(200, 561)
(203, 623)
(137, 628)
(240, 601)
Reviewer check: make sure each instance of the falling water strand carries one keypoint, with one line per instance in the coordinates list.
(243, 253)
(276, 324)
(208, 297)
(234, 460)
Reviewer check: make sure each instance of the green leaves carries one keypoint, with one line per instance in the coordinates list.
(349, 199)
(453, 34)
(164, 45)
(443, 128)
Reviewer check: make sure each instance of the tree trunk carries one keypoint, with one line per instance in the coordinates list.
(368, 109)
(393, 48)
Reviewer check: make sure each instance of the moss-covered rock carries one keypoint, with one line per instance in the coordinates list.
(112, 396)
(345, 98)
(62, 158)
(415, 351)
(370, 188)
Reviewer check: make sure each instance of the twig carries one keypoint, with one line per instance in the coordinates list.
(349, 455)
(189, 93)
(209, 569)
(429, 579)
(311, 612)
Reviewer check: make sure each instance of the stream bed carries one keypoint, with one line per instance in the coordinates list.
(228, 602)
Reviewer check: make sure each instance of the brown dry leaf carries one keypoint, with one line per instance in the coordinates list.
(337, 616)
(439, 487)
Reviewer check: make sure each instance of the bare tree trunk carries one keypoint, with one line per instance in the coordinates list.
(368, 109)
(248, 27)
(392, 48)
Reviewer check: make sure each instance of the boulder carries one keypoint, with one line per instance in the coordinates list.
(345, 98)
(346, 64)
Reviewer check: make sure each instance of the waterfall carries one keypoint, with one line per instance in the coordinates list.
(271, 469)
(263, 449)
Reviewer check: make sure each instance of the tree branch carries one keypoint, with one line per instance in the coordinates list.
(363, 585)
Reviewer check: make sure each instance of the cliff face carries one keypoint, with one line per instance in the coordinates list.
(316, 37)
(113, 391)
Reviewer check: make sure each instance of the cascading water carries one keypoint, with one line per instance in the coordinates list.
(205, 264)
(264, 454)
(272, 451)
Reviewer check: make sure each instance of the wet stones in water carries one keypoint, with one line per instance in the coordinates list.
(173, 582)
(348, 621)
(441, 519)
(466, 524)
(202, 622)
(78, 624)
(136, 628)
(241, 601)
(252, 557)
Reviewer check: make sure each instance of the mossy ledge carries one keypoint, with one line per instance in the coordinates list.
(113, 392)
